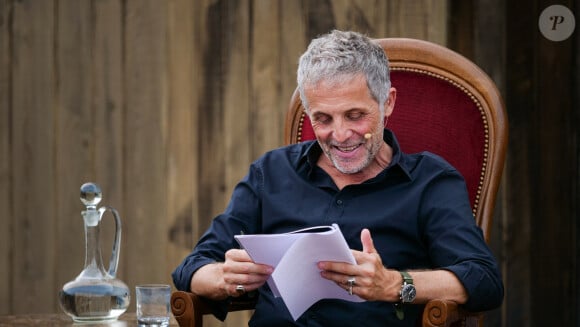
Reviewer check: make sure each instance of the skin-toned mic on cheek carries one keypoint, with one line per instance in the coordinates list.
(368, 136)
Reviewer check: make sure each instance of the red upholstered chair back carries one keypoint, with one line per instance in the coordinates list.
(446, 105)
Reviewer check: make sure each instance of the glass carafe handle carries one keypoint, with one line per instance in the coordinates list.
(116, 242)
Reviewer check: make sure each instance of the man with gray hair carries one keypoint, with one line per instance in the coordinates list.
(406, 217)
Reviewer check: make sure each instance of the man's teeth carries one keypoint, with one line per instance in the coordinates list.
(347, 149)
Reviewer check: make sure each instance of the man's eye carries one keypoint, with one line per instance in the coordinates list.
(355, 115)
(322, 119)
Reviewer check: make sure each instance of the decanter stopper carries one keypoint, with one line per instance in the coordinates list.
(91, 195)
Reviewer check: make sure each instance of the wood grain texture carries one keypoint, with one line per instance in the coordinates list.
(554, 227)
(145, 137)
(425, 20)
(108, 117)
(236, 96)
(538, 228)
(33, 156)
(199, 20)
(211, 132)
(518, 186)
(6, 215)
(62, 320)
(74, 133)
(181, 141)
(265, 110)
(490, 57)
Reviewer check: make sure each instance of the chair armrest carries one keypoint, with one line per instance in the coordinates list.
(445, 313)
(188, 308)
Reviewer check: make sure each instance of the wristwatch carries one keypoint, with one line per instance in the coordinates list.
(407, 293)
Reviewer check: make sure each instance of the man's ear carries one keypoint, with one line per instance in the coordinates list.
(390, 103)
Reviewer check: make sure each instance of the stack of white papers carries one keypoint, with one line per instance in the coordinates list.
(294, 256)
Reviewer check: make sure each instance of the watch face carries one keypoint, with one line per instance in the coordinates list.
(408, 293)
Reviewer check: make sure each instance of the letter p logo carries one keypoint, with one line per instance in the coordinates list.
(557, 23)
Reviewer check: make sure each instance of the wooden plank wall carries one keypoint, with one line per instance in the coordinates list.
(163, 103)
(543, 175)
(536, 231)
(5, 168)
(33, 137)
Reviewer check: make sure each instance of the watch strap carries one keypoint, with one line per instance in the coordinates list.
(407, 279)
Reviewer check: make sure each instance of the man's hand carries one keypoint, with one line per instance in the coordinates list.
(240, 270)
(220, 280)
(373, 282)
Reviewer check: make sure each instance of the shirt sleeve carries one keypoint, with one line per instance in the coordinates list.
(240, 216)
(456, 243)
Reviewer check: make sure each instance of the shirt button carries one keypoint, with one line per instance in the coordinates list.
(339, 202)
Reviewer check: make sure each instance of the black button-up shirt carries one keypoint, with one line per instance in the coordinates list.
(417, 210)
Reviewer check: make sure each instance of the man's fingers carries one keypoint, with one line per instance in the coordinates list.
(239, 262)
(238, 255)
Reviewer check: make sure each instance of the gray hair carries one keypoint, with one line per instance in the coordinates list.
(338, 57)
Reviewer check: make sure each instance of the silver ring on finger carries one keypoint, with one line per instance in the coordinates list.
(240, 289)
(351, 282)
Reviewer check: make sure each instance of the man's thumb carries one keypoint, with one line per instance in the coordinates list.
(367, 241)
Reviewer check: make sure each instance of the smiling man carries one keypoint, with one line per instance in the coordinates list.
(406, 217)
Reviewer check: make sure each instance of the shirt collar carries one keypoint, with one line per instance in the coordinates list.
(314, 151)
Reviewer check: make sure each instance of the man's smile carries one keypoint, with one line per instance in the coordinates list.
(347, 148)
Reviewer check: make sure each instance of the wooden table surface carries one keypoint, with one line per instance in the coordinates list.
(60, 319)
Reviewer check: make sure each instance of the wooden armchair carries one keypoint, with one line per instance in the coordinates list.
(446, 105)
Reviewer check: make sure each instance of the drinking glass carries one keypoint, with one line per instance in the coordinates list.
(153, 304)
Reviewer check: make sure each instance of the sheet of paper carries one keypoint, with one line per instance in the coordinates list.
(296, 277)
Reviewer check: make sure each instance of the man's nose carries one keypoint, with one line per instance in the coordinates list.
(342, 132)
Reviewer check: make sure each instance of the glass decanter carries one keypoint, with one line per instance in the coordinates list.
(95, 294)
